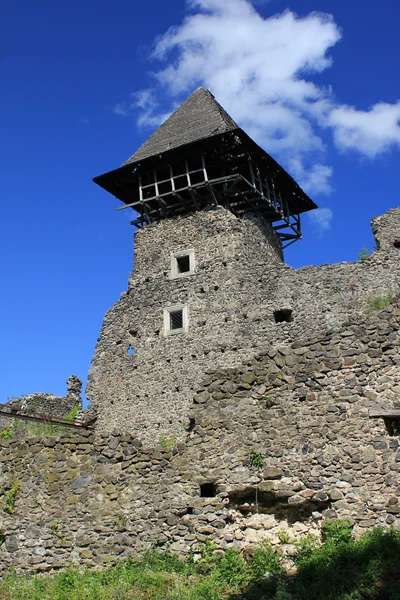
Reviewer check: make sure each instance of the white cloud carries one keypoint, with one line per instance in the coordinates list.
(321, 220)
(314, 178)
(370, 132)
(261, 70)
(145, 102)
(258, 69)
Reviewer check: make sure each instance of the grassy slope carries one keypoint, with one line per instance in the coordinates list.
(339, 569)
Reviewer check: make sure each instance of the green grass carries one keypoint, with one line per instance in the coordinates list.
(340, 568)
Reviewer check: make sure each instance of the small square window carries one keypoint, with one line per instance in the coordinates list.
(175, 319)
(182, 264)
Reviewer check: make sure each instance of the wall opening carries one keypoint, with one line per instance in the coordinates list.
(283, 316)
(176, 319)
(131, 351)
(393, 427)
(208, 490)
(183, 264)
(396, 243)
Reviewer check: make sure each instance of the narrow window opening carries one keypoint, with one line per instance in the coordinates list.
(183, 263)
(189, 510)
(396, 243)
(131, 351)
(192, 424)
(283, 316)
(176, 319)
(208, 490)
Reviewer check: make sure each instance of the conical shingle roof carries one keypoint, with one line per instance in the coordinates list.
(199, 117)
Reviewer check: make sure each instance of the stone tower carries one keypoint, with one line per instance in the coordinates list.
(213, 212)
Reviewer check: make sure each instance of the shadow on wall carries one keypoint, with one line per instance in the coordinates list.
(339, 570)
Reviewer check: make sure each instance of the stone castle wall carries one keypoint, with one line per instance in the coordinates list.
(148, 393)
(239, 283)
(302, 408)
(44, 405)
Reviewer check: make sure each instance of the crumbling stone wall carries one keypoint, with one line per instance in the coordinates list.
(239, 283)
(302, 408)
(42, 404)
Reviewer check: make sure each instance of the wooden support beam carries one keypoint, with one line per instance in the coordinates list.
(385, 414)
(45, 420)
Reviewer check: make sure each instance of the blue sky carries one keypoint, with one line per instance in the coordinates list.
(84, 84)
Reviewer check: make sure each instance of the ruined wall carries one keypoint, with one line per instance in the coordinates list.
(238, 284)
(303, 408)
(42, 404)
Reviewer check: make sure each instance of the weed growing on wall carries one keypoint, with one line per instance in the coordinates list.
(379, 302)
(365, 253)
(121, 521)
(256, 459)
(7, 433)
(10, 496)
(71, 416)
(168, 443)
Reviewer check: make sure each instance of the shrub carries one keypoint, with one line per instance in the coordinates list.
(256, 459)
(337, 531)
(265, 560)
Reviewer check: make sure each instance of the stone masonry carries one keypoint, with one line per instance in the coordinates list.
(43, 404)
(239, 282)
(273, 447)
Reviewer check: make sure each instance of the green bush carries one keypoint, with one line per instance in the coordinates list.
(337, 531)
(256, 459)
